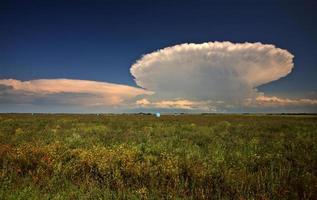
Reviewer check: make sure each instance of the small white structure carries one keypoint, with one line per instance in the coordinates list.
(158, 114)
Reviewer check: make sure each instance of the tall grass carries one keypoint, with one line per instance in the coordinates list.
(172, 157)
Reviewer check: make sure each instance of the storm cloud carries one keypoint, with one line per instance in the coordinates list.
(217, 71)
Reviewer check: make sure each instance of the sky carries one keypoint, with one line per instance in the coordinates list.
(158, 56)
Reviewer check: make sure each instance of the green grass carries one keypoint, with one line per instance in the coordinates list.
(172, 157)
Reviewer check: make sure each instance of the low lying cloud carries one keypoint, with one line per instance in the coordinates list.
(67, 92)
(273, 101)
(177, 104)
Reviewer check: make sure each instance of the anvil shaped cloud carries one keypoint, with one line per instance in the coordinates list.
(217, 71)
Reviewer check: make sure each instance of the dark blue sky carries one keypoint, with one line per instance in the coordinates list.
(100, 40)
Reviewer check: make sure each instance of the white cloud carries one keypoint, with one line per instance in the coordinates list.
(213, 71)
(176, 104)
(273, 101)
(69, 91)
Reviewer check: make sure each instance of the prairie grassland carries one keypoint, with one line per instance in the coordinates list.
(172, 157)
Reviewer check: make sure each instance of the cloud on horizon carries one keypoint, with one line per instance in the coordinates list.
(67, 92)
(213, 76)
(274, 101)
(177, 104)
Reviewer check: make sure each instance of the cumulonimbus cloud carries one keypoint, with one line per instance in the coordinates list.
(216, 71)
(68, 91)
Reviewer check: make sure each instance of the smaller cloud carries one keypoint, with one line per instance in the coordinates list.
(274, 101)
(67, 92)
(176, 104)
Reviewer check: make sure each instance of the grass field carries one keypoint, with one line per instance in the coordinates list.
(171, 157)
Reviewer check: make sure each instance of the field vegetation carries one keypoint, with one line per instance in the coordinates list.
(45, 156)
